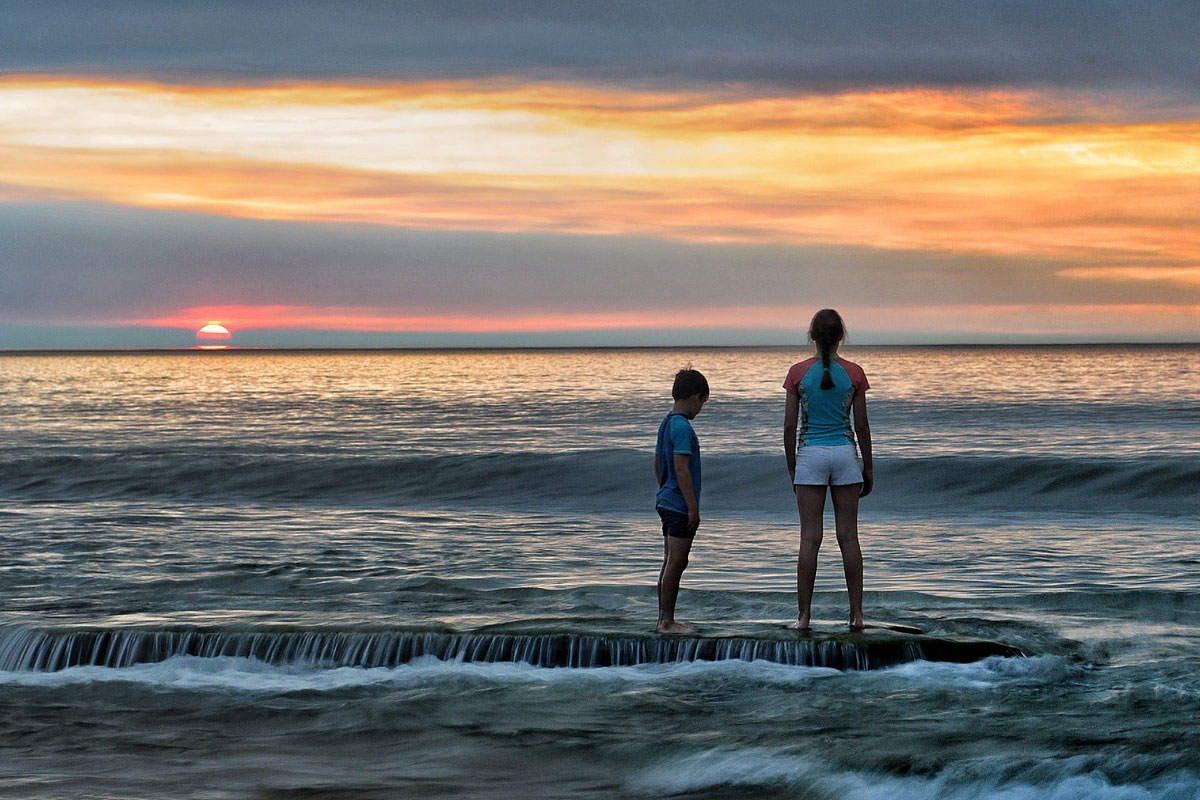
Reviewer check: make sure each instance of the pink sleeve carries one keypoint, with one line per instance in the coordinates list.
(795, 375)
(789, 381)
(857, 377)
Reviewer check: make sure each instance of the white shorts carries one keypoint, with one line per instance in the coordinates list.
(834, 465)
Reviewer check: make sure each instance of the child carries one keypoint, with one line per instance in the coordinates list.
(677, 470)
(826, 408)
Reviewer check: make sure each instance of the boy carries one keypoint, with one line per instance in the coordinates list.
(677, 470)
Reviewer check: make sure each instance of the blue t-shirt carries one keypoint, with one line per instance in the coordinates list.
(675, 437)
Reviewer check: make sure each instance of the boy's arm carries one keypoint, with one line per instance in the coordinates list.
(683, 473)
(791, 418)
(862, 430)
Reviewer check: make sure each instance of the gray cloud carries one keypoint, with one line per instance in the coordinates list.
(89, 263)
(828, 45)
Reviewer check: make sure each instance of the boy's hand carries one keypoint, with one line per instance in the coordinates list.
(693, 519)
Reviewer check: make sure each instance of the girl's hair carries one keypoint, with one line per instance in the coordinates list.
(826, 330)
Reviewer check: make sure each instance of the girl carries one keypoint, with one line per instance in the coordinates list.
(826, 408)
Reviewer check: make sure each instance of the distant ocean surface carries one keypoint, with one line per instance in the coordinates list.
(415, 574)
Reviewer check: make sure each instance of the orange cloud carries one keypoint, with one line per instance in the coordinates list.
(1185, 276)
(1032, 319)
(1019, 319)
(338, 318)
(967, 172)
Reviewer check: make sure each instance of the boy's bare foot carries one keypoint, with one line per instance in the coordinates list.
(675, 628)
(856, 623)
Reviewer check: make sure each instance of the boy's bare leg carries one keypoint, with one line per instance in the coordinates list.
(810, 500)
(845, 516)
(675, 561)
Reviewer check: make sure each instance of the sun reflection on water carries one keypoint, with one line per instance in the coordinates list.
(924, 402)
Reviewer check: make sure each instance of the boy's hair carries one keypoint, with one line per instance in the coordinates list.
(688, 382)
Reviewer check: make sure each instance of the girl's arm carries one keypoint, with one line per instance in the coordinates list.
(862, 429)
(791, 418)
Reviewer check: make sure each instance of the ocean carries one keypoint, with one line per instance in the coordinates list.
(417, 574)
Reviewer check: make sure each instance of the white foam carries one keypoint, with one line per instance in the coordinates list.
(728, 767)
(190, 673)
(989, 673)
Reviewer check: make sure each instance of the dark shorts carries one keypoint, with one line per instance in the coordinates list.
(675, 524)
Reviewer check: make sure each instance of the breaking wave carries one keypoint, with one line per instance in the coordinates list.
(589, 478)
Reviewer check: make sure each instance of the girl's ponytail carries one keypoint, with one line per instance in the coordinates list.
(826, 379)
(826, 330)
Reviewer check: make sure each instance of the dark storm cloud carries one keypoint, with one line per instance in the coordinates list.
(1084, 44)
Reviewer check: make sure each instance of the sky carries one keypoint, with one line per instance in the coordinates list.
(554, 172)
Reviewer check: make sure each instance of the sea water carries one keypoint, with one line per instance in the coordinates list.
(251, 574)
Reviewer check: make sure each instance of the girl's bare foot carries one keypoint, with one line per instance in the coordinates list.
(801, 623)
(856, 623)
(674, 628)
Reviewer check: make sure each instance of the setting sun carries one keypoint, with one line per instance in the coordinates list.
(213, 336)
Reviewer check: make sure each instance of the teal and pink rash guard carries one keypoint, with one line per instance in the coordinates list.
(825, 414)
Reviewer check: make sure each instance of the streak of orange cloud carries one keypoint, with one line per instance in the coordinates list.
(964, 172)
(1032, 319)
(1186, 276)
(1019, 319)
(290, 317)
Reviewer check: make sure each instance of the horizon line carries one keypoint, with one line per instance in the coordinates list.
(542, 347)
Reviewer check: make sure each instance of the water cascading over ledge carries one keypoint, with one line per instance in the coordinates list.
(50, 651)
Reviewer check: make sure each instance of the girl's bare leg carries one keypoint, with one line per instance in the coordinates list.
(810, 501)
(845, 516)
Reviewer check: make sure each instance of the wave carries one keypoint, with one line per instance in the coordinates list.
(744, 769)
(229, 674)
(615, 480)
(24, 650)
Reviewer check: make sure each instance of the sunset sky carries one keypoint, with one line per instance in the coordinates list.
(558, 173)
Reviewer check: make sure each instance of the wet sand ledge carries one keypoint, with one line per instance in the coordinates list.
(530, 642)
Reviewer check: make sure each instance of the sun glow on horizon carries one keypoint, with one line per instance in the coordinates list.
(953, 318)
